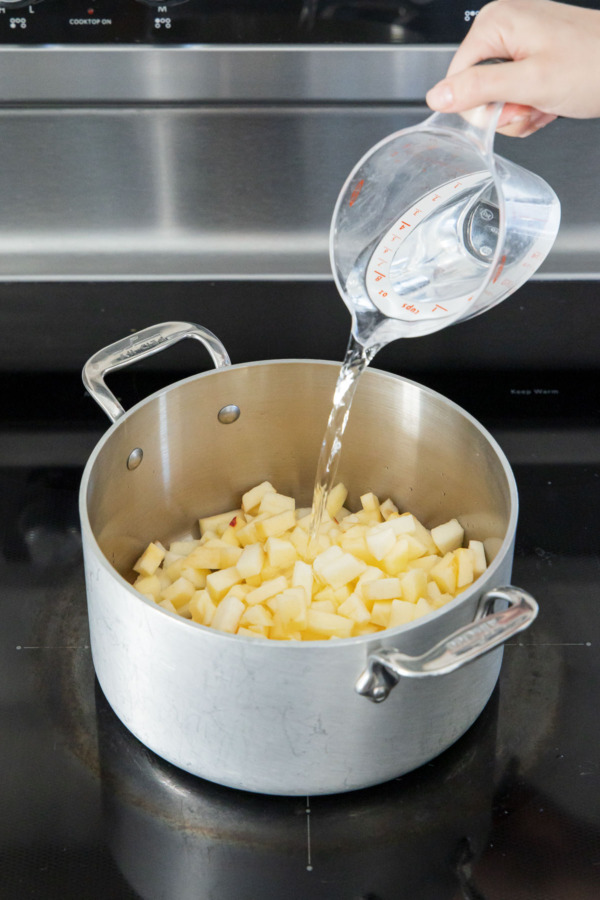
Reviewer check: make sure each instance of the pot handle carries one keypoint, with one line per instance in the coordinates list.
(136, 346)
(489, 629)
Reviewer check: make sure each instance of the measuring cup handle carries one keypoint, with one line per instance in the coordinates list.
(137, 346)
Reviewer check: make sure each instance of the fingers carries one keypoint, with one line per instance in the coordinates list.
(508, 81)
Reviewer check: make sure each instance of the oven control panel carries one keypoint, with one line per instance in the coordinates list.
(43, 22)
(52, 22)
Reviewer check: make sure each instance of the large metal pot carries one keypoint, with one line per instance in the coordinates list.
(286, 717)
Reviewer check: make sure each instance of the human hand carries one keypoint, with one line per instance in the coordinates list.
(553, 67)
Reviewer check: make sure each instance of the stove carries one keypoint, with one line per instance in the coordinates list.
(511, 810)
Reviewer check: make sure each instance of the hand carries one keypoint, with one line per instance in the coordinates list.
(553, 69)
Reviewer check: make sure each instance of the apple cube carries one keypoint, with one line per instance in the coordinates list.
(302, 576)
(266, 590)
(273, 503)
(355, 609)
(291, 609)
(380, 540)
(463, 560)
(414, 585)
(336, 499)
(149, 585)
(381, 612)
(479, 560)
(150, 559)
(280, 553)
(328, 624)
(218, 583)
(251, 499)
(422, 608)
(343, 569)
(257, 615)
(448, 536)
(251, 560)
(444, 575)
(401, 613)
(273, 526)
(180, 592)
(228, 614)
(219, 522)
(202, 608)
(382, 589)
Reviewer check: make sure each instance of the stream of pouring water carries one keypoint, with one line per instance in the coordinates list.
(359, 354)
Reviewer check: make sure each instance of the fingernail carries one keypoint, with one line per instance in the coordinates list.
(440, 96)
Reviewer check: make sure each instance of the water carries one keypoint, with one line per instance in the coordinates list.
(410, 281)
(358, 356)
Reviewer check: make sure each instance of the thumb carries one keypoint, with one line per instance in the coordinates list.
(504, 82)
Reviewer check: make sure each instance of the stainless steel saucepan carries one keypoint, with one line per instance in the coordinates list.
(285, 717)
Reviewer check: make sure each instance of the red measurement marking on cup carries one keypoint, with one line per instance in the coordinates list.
(437, 306)
(499, 270)
(379, 275)
(356, 192)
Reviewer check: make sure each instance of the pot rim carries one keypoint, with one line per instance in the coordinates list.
(90, 541)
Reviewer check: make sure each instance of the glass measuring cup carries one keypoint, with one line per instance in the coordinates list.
(432, 227)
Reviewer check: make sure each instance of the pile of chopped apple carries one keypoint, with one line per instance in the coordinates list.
(254, 571)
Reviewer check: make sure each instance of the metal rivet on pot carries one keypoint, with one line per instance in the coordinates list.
(228, 414)
(135, 458)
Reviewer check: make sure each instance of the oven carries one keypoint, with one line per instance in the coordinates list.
(180, 160)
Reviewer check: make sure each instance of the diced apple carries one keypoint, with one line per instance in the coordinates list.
(273, 526)
(204, 557)
(328, 623)
(355, 609)
(257, 615)
(380, 540)
(291, 609)
(323, 559)
(150, 559)
(196, 576)
(464, 567)
(336, 499)
(302, 576)
(149, 585)
(381, 612)
(251, 632)
(324, 605)
(218, 583)
(444, 575)
(401, 613)
(267, 590)
(251, 499)
(251, 560)
(166, 604)
(202, 608)
(479, 560)
(273, 503)
(342, 570)
(228, 614)
(280, 553)
(448, 536)
(414, 585)
(382, 589)
(422, 608)
(388, 508)
(219, 522)
(404, 551)
(180, 592)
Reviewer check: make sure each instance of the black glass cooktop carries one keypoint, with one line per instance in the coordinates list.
(510, 812)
